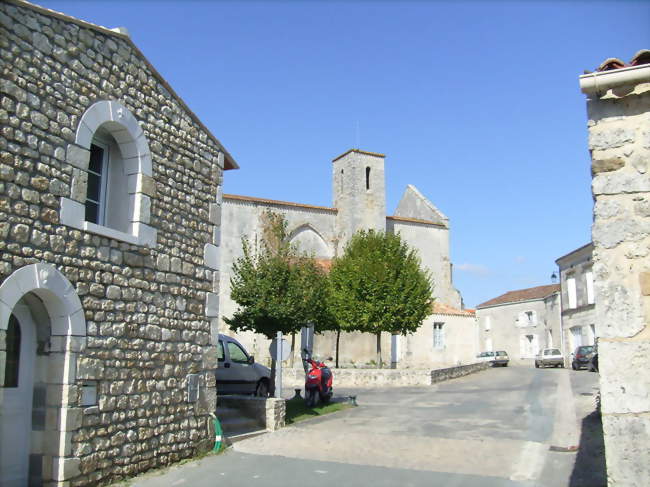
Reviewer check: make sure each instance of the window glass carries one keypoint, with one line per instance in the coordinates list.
(220, 354)
(13, 353)
(96, 180)
(236, 353)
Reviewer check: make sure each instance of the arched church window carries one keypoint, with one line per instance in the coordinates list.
(13, 353)
(367, 177)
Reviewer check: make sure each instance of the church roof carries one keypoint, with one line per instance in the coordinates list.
(539, 292)
(415, 220)
(120, 33)
(358, 151)
(252, 199)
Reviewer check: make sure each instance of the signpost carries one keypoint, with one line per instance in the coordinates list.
(280, 351)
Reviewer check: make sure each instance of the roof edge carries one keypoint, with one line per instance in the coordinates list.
(416, 220)
(253, 199)
(359, 151)
(601, 81)
(229, 161)
(541, 298)
(579, 249)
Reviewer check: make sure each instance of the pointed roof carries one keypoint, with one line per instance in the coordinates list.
(121, 33)
(528, 294)
(414, 205)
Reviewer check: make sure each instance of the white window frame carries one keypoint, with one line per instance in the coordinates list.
(103, 180)
(438, 335)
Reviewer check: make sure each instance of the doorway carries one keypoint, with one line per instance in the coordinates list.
(18, 391)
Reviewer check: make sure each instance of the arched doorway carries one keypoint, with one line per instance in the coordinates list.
(41, 322)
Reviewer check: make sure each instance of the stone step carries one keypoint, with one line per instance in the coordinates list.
(238, 424)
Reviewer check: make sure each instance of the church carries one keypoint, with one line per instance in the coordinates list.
(359, 202)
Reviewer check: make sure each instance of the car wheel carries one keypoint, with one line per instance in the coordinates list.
(536, 365)
(574, 366)
(262, 388)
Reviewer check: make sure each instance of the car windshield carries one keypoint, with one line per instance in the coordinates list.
(552, 351)
(502, 353)
(586, 349)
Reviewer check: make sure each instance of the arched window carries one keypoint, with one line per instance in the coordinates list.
(112, 198)
(367, 177)
(13, 353)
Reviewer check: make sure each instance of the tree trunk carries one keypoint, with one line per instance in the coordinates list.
(338, 338)
(379, 363)
(293, 347)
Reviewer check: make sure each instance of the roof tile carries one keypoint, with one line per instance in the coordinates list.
(538, 292)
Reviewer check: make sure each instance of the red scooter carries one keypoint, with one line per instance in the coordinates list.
(318, 383)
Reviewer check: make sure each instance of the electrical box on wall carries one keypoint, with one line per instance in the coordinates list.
(192, 387)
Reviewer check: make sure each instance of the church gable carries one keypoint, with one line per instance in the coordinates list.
(414, 205)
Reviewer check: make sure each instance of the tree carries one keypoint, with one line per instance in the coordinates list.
(276, 288)
(378, 286)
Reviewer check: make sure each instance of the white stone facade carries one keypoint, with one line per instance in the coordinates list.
(110, 220)
(359, 198)
(577, 296)
(619, 140)
(520, 322)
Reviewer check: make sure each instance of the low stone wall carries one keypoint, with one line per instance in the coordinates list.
(268, 412)
(384, 377)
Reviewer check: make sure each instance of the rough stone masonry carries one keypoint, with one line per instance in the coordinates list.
(619, 141)
(110, 378)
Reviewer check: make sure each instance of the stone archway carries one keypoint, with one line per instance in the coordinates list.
(40, 290)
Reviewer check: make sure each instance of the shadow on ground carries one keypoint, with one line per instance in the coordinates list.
(589, 469)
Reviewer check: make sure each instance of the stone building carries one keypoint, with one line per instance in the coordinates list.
(577, 297)
(358, 187)
(109, 217)
(521, 322)
(618, 105)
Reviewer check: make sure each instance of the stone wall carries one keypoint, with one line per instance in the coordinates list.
(619, 141)
(269, 412)
(144, 306)
(384, 377)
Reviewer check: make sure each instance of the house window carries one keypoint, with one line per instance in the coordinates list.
(13, 353)
(438, 335)
(589, 277)
(488, 323)
(97, 176)
(367, 178)
(571, 292)
(530, 318)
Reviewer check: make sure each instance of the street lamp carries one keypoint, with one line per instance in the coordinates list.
(554, 278)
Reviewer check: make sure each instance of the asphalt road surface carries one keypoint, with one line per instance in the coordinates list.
(514, 426)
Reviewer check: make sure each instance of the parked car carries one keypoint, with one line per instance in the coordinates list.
(237, 372)
(501, 358)
(582, 356)
(549, 357)
(593, 361)
(485, 357)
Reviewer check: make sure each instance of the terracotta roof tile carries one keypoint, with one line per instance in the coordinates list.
(538, 292)
(612, 63)
(445, 309)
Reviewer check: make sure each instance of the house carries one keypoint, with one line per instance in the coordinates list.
(618, 107)
(109, 218)
(359, 199)
(521, 322)
(577, 297)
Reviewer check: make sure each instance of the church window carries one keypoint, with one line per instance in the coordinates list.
(367, 177)
(13, 353)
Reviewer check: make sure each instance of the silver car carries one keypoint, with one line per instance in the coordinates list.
(237, 372)
(549, 357)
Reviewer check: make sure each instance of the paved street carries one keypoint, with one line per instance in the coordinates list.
(500, 427)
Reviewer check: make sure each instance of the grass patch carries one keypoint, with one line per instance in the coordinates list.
(297, 410)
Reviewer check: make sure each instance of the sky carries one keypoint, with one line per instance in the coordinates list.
(477, 104)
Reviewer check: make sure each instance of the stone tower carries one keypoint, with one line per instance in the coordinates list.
(359, 193)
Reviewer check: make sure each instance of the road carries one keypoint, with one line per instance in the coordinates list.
(500, 427)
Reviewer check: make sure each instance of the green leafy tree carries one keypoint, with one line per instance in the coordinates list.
(378, 286)
(276, 288)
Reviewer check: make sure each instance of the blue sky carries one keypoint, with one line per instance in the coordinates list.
(475, 103)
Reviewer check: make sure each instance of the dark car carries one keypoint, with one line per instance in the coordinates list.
(582, 356)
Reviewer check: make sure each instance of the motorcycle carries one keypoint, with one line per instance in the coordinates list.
(318, 383)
